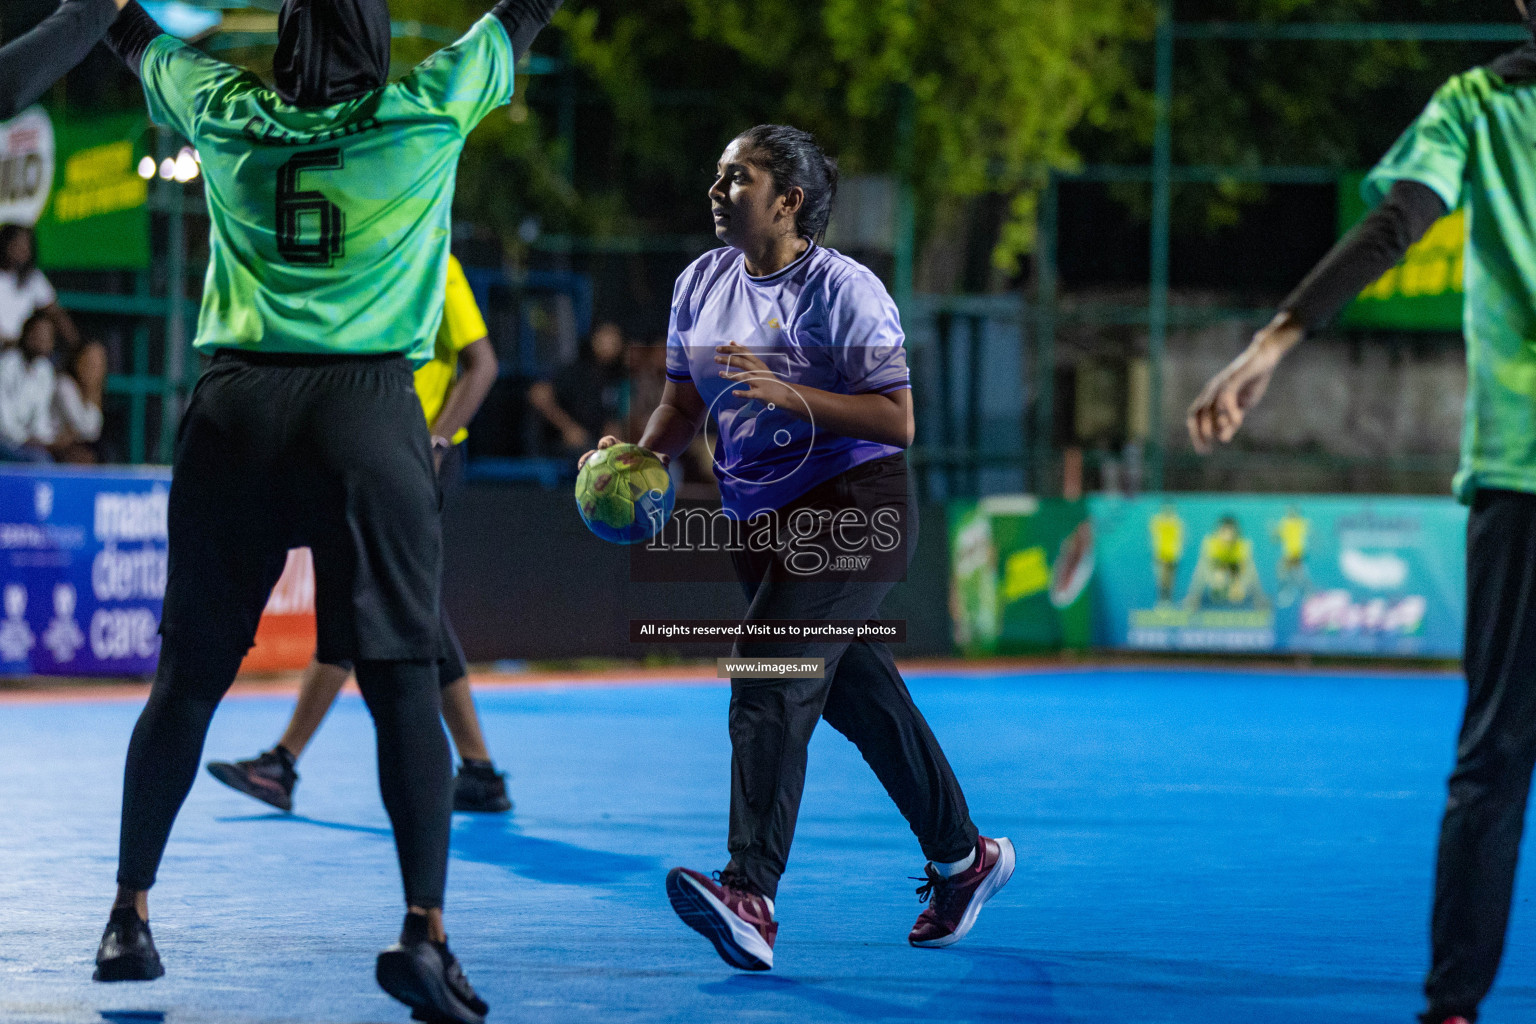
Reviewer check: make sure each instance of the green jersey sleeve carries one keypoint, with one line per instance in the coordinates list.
(1434, 150)
(465, 81)
(181, 83)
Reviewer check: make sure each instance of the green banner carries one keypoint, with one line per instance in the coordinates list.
(1019, 576)
(1421, 293)
(98, 215)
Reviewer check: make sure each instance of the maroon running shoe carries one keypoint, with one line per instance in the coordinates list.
(954, 903)
(738, 921)
(1454, 1020)
(269, 777)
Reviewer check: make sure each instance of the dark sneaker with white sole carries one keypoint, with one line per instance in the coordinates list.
(954, 903)
(425, 976)
(127, 951)
(738, 921)
(269, 777)
(481, 789)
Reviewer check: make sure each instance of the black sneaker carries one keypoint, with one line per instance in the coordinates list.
(127, 951)
(425, 976)
(481, 788)
(269, 777)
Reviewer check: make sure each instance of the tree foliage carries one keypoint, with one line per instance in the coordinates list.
(1287, 102)
(996, 88)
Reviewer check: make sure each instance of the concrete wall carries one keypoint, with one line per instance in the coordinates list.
(1347, 411)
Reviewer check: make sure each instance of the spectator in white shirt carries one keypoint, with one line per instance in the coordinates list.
(24, 290)
(77, 405)
(26, 394)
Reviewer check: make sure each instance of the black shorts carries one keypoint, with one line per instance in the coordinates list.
(451, 666)
(279, 451)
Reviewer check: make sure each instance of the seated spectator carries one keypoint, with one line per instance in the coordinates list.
(26, 394)
(77, 417)
(24, 291)
(590, 396)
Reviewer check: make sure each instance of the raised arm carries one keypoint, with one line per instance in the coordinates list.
(131, 35)
(33, 62)
(1371, 249)
(524, 19)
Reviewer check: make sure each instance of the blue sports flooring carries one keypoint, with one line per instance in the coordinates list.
(1203, 846)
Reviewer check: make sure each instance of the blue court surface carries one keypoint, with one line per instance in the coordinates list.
(1194, 845)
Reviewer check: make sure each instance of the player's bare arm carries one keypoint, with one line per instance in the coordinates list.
(1371, 249)
(477, 373)
(672, 426)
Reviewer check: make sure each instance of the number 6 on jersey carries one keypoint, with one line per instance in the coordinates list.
(297, 209)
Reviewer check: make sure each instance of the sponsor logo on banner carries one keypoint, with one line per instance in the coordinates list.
(26, 166)
(63, 636)
(1335, 611)
(16, 637)
(42, 499)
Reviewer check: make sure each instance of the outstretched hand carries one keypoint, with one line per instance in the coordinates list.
(608, 441)
(1226, 401)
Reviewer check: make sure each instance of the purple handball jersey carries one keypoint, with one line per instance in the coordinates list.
(824, 322)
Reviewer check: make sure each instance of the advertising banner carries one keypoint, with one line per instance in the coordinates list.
(1293, 574)
(82, 570)
(26, 166)
(1020, 569)
(98, 215)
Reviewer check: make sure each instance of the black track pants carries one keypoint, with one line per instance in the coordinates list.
(1495, 752)
(862, 696)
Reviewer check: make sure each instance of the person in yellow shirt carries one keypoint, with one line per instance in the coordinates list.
(1167, 531)
(1291, 532)
(1226, 575)
(451, 388)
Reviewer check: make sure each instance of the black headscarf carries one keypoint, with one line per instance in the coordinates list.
(331, 50)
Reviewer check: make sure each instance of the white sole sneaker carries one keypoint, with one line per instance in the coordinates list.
(995, 880)
(737, 942)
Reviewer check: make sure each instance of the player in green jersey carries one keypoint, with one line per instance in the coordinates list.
(328, 198)
(1474, 146)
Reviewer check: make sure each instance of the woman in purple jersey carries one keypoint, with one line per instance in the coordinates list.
(795, 353)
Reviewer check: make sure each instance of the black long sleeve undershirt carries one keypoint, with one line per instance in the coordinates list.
(131, 35)
(523, 19)
(1370, 249)
(33, 62)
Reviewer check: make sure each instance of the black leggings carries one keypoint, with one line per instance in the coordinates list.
(415, 771)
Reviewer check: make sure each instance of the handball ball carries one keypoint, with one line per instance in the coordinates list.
(624, 494)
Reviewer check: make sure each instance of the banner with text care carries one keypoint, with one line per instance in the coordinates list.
(82, 570)
(1280, 573)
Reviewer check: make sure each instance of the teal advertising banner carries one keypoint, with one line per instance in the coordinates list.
(1020, 569)
(1282, 573)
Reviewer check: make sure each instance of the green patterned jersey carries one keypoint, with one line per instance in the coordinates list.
(329, 228)
(1475, 145)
